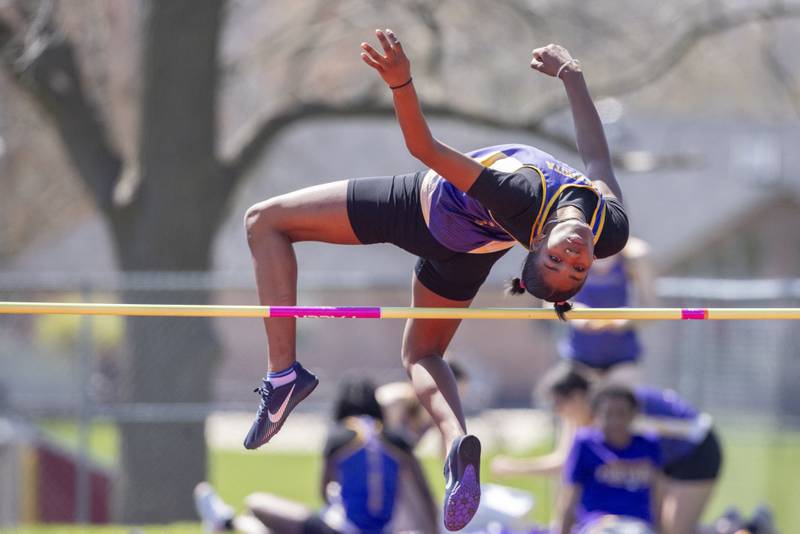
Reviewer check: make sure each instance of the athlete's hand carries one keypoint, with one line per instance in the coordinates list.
(548, 59)
(504, 466)
(392, 65)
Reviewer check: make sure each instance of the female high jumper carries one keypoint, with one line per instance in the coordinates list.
(459, 217)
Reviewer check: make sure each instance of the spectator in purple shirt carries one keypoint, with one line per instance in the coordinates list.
(610, 470)
(691, 452)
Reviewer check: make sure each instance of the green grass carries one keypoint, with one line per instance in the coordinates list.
(760, 467)
(177, 528)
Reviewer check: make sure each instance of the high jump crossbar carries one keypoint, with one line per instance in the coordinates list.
(384, 312)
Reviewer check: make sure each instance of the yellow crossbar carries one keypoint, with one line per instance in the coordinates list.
(375, 312)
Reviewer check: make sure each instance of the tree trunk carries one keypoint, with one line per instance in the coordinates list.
(170, 226)
(171, 360)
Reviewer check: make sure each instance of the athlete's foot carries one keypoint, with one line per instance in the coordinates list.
(276, 404)
(462, 494)
(214, 513)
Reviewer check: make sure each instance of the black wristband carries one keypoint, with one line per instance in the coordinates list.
(393, 87)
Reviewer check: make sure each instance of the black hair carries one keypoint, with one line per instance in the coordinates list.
(533, 282)
(458, 371)
(563, 381)
(615, 392)
(356, 397)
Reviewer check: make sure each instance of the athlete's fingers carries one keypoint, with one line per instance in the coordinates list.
(536, 59)
(395, 42)
(387, 46)
(371, 62)
(397, 46)
(374, 54)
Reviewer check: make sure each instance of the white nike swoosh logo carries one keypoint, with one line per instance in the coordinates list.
(275, 417)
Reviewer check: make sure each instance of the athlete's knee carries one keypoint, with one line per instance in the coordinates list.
(408, 357)
(252, 501)
(259, 503)
(263, 218)
(411, 357)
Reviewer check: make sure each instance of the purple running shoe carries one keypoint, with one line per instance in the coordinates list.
(276, 404)
(462, 494)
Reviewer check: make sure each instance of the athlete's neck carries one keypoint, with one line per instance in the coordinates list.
(618, 440)
(569, 212)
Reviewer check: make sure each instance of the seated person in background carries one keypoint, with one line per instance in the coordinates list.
(609, 350)
(610, 471)
(367, 474)
(690, 449)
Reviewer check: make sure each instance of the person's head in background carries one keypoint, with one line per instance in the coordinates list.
(569, 392)
(614, 408)
(356, 398)
(461, 376)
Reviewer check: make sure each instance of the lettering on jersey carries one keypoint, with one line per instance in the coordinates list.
(632, 475)
(564, 171)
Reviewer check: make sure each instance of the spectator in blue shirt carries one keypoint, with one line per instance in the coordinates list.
(610, 470)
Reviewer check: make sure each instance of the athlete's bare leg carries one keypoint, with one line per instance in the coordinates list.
(277, 513)
(316, 213)
(683, 504)
(424, 344)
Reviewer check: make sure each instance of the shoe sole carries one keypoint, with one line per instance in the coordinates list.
(462, 502)
(289, 407)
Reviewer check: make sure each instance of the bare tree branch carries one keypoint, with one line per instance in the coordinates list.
(651, 71)
(425, 12)
(635, 78)
(43, 62)
(782, 74)
(304, 51)
(251, 150)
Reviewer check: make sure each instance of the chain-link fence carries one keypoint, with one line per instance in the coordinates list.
(152, 383)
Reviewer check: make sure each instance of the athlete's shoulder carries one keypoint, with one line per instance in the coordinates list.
(663, 402)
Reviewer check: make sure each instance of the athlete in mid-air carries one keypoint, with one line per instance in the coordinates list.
(458, 217)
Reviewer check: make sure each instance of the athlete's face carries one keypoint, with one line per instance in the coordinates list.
(614, 416)
(567, 252)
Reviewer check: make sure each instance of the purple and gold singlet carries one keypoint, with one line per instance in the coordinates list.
(462, 224)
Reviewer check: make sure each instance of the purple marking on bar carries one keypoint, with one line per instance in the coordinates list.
(698, 314)
(328, 312)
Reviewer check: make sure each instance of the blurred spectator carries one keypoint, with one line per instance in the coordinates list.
(610, 471)
(690, 450)
(610, 349)
(368, 471)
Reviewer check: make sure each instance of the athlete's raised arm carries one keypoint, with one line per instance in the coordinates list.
(395, 69)
(556, 61)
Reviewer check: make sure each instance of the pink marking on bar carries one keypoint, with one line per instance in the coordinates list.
(697, 314)
(329, 312)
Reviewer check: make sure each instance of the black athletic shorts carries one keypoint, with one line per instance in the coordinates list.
(387, 210)
(703, 463)
(316, 525)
